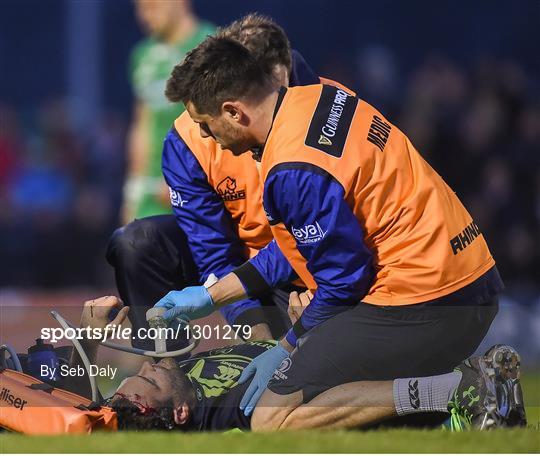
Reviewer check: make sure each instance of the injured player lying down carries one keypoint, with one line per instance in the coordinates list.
(202, 393)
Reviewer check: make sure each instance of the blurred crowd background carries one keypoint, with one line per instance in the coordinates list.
(460, 78)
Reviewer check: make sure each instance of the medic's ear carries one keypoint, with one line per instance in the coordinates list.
(181, 414)
(233, 110)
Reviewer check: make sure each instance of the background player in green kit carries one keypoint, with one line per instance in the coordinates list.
(173, 30)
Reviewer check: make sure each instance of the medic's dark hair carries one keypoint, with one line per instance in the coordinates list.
(218, 70)
(265, 39)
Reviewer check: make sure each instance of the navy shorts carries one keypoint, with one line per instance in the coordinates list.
(369, 342)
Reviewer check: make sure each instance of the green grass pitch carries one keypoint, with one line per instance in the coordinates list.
(380, 441)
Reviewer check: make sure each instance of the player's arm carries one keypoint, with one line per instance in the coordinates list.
(211, 235)
(137, 156)
(137, 141)
(311, 204)
(95, 315)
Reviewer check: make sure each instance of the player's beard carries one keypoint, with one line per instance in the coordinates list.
(181, 387)
(236, 140)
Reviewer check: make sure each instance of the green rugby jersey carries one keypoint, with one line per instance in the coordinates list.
(151, 64)
(214, 376)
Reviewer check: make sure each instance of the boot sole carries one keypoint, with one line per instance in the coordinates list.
(504, 405)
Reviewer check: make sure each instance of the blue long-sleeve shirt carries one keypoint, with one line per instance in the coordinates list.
(201, 214)
(312, 206)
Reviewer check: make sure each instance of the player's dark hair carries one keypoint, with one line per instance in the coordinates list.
(265, 39)
(131, 418)
(217, 70)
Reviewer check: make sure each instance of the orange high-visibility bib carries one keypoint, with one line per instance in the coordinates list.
(424, 242)
(235, 178)
(26, 408)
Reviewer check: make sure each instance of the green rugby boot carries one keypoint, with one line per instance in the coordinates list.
(489, 394)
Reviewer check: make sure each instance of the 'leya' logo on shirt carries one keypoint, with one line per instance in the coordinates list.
(309, 234)
(176, 199)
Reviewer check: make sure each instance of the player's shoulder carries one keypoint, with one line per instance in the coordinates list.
(252, 349)
(247, 350)
(241, 353)
(262, 344)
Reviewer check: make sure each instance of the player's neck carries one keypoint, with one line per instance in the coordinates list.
(184, 28)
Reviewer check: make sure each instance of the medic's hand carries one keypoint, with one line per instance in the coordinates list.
(262, 368)
(191, 302)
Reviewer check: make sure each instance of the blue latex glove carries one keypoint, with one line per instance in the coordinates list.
(262, 368)
(191, 302)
